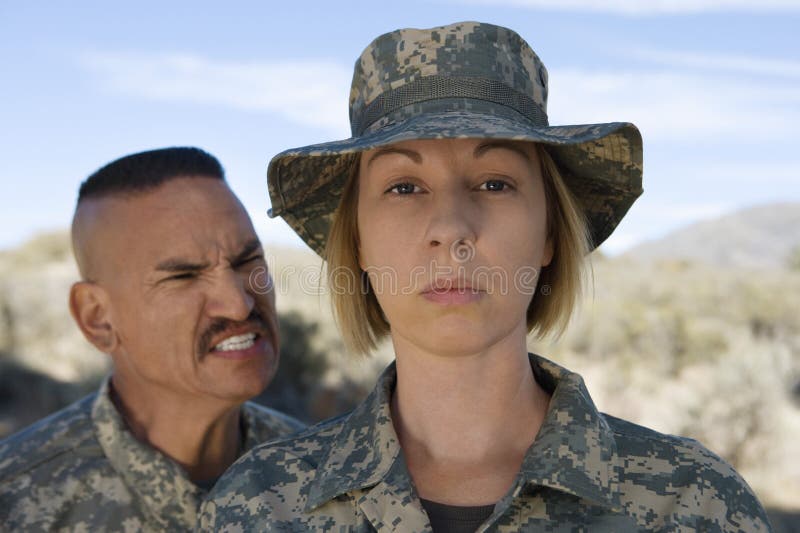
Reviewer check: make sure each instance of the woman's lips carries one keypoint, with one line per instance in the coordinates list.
(453, 296)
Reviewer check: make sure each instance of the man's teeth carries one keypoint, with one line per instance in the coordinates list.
(239, 342)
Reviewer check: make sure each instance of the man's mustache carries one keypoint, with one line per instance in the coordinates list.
(221, 325)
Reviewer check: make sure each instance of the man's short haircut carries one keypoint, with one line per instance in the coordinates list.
(144, 171)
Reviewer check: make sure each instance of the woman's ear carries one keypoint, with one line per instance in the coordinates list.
(90, 308)
(359, 260)
(547, 253)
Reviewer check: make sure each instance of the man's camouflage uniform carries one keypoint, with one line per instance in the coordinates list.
(586, 471)
(80, 469)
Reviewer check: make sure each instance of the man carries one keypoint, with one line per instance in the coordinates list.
(175, 289)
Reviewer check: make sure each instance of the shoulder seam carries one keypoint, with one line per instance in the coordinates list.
(280, 444)
(16, 473)
(15, 470)
(651, 434)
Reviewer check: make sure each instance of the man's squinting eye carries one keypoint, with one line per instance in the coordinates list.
(403, 188)
(181, 276)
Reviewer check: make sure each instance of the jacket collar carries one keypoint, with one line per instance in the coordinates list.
(259, 426)
(170, 498)
(365, 449)
(574, 451)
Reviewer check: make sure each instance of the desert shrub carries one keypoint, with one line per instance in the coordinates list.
(300, 387)
(27, 395)
(793, 259)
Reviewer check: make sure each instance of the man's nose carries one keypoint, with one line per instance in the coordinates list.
(230, 297)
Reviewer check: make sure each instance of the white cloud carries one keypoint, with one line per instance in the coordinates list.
(667, 104)
(670, 105)
(741, 64)
(311, 93)
(649, 7)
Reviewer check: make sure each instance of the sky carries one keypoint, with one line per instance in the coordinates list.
(713, 85)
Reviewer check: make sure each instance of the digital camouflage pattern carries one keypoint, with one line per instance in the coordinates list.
(467, 79)
(586, 471)
(80, 469)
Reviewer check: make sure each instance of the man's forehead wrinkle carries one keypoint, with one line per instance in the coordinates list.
(198, 254)
(180, 264)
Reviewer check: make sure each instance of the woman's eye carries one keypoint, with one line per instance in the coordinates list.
(403, 188)
(494, 185)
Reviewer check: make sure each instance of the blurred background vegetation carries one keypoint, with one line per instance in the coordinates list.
(684, 340)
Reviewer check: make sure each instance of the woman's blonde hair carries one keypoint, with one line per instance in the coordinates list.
(559, 286)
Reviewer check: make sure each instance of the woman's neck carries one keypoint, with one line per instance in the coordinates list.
(466, 422)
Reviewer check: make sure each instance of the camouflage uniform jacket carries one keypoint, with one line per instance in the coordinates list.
(80, 469)
(585, 471)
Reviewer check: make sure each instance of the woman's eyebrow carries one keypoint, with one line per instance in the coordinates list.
(484, 147)
(411, 154)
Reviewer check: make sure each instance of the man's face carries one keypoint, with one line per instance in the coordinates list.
(188, 291)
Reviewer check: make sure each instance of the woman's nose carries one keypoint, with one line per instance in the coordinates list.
(452, 221)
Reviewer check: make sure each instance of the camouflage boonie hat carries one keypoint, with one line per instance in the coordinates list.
(465, 80)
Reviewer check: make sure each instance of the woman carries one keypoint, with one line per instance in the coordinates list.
(465, 219)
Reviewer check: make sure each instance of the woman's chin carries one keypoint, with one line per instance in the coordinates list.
(453, 341)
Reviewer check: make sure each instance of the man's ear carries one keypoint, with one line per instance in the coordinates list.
(91, 309)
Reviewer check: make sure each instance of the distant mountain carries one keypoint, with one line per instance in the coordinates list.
(765, 236)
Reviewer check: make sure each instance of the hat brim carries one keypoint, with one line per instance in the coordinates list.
(600, 163)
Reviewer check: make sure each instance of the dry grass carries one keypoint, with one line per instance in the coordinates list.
(684, 348)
